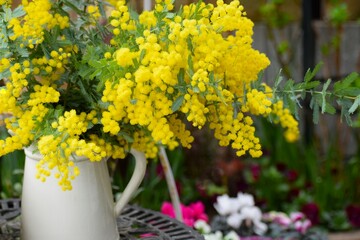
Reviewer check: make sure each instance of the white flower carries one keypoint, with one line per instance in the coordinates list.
(235, 220)
(239, 209)
(260, 228)
(202, 227)
(245, 199)
(232, 236)
(215, 236)
(225, 205)
(248, 213)
(251, 212)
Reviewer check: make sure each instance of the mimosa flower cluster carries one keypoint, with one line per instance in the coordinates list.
(74, 85)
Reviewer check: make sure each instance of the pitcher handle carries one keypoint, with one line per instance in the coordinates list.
(134, 183)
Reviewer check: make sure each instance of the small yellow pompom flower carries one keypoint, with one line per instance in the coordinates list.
(124, 57)
(107, 55)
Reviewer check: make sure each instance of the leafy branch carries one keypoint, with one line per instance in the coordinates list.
(325, 97)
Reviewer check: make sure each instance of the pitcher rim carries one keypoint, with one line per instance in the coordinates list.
(33, 152)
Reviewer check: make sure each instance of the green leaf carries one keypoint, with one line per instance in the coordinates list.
(291, 104)
(355, 105)
(350, 92)
(4, 39)
(73, 7)
(330, 109)
(63, 43)
(212, 77)
(311, 74)
(177, 103)
(314, 105)
(278, 80)
(7, 14)
(346, 82)
(133, 101)
(345, 106)
(348, 119)
(126, 137)
(170, 15)
(45, 50)
(181, 77)
(142, 55)
(103, 104)
(307, 85)
(102, 8)
(181, 87)
(191, 66)
(23, 52)
(244, 94)
(5, 74)
(133, 14)
(257, 84)
(220, 95)
(18, 12)
(196, 89)
(323, 95)
(316, 114)
(85, 71)
(289, 85)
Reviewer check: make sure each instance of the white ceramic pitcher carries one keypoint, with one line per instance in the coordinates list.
(85, 213)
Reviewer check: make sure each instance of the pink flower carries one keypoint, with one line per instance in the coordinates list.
(302, 226)
(168, 209)
(199, 211)
(189, 222)
(148, 235)
(283, 220)
(301, 223)
(296, 216)
(277, 217)
(190, 214)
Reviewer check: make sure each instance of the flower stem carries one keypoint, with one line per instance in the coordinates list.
(317, 92)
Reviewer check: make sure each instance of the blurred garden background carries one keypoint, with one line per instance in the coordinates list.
(318, 175)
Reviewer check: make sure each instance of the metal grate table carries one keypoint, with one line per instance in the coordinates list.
(134, 223)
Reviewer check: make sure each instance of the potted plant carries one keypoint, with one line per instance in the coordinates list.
(82, 85)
